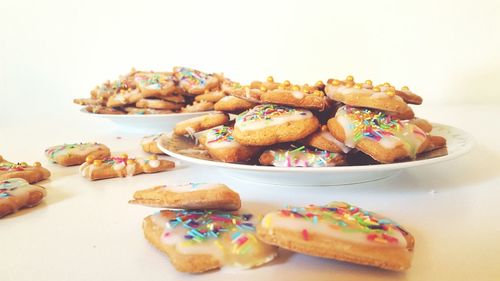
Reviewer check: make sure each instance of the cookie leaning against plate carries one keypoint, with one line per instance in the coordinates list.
(339, 231)
(17, 193)
(76, 153)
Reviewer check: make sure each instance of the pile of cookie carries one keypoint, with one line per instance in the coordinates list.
(203, 230)
(342, 122)
(141, 92)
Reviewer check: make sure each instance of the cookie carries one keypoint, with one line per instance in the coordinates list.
(324, 140)
(233, 104)
(195, 82)
(158, 104)
(301, 157)
(146, 111)
(122, 166)
(90, 101)
(176, 98)
(76, 153)
(269, 124)
(423, 124)
(211, 96)
(198, 106)
(199, 241)
(103, 91)
(149, 144)
(221, 145)
(342, 232)
(17, 193)
(192, 196)
(31, 174)
(99, 109)
(124, 97)
(155, 84)
(379, 135)
(200, 123)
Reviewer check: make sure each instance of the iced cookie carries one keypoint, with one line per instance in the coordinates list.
(192, 196)
(339, 231)
(200, 123)
(155, 84)
(199, 241)
(269, 124)
(324, 140)
(22, 170)
(301, 157)
(379, 135)
(149, 144)
(221, 145)
(76, 153)
(158, 104)
(233, 104)
(123, 166)
(198, 106)
(210, 96)
(194, 81)
(103, 91)
(124, 97)
(17, 193)
(98, 109)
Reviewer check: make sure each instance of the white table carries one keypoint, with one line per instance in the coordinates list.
(87, 231)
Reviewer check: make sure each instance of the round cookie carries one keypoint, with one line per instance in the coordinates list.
(233, 104)
(198, 106)
(221, 145)
(17, 193)
(158, 104)
(324, 140)
(339, 231)
(76, 153)
(301, 157)
(200, 123)
(155, 84)
(210, 96)
(195, 82)
(269, 124)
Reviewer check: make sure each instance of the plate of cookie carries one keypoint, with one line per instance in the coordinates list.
(341, 132)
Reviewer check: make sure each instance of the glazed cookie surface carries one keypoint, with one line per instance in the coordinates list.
(76, 153)
(31, 174)
(194, 81)
(301, 157)
(339, 231)
(17, 193)
(222, 146)
(124, 97)
(155, 84)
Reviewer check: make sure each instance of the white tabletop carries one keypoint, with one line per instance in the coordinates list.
(87, 231)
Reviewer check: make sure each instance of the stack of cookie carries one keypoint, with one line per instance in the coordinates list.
(139, 92)
(341, 122)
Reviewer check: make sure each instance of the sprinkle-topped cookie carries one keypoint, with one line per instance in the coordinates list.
(195, 81)
(17, 193)
(301, 157)
(269, 115)
(31, 174)
(220, 136)
(76, 153)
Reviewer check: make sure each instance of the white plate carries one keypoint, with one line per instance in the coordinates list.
(146, 123)
(458, 142)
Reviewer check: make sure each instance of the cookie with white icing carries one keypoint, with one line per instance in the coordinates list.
(31, 173)
(339, 231)
(124, 97)
(199, 241)
(191, 196)
(123, 166)
(233, 104)
(17, 193)
(301, 157)
(200, 123)
(76, 153)
(377, 134)
(324, 140)
(195, 82)
(222, 146)
(155, 83)
(149, 144)
(268, 124)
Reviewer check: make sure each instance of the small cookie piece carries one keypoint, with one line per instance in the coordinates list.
(339, 231)
(103, 91)
(124, 97)
(269, 124)
(99, 109)
(381, 136)
(301, 157)
(200, 123)
(76, 153)
(211, 96)
(198, 106)
(423, 124)
(123, 166)
(17, 193)
(155, 84)
(221, 145)
(90, 101)
(324, 140)
(191, 196)
(199, 241)
(31, 174)
(195, 82)
(149, 144)
(145, 111)
(233, 104)
(158, 104)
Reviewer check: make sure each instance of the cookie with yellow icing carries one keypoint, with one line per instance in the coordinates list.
(233, 104)
(199, 241)
(301, 157)
(31, 173)
(76, 153)
(200, 123)
(17, 193)
(195, 82)
(339, 231)
(381, 136)
(123, 166)
(268, 124)
(222, 146)
(191, 196)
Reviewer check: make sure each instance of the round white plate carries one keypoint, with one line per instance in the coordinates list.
(146, 123)
(458, 142)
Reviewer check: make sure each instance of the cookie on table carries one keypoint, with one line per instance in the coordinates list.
(149, 144)
(123, 166)
(17, 193)
(99, 109)
(199, 241)
(146, 111)
(198, 106)
(210, 96)
(324, 140)
(233, 104)
(381, 136)
(200, 123)
(301, 157)
(158, 104)
(222, 146)
(339, 231)
(155, 84)
(124, 97)
(195, 82)
(192, 196)
(269, 124)
(31, 174)
(76, 153)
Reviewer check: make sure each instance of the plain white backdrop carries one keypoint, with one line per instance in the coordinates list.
(53, 51)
